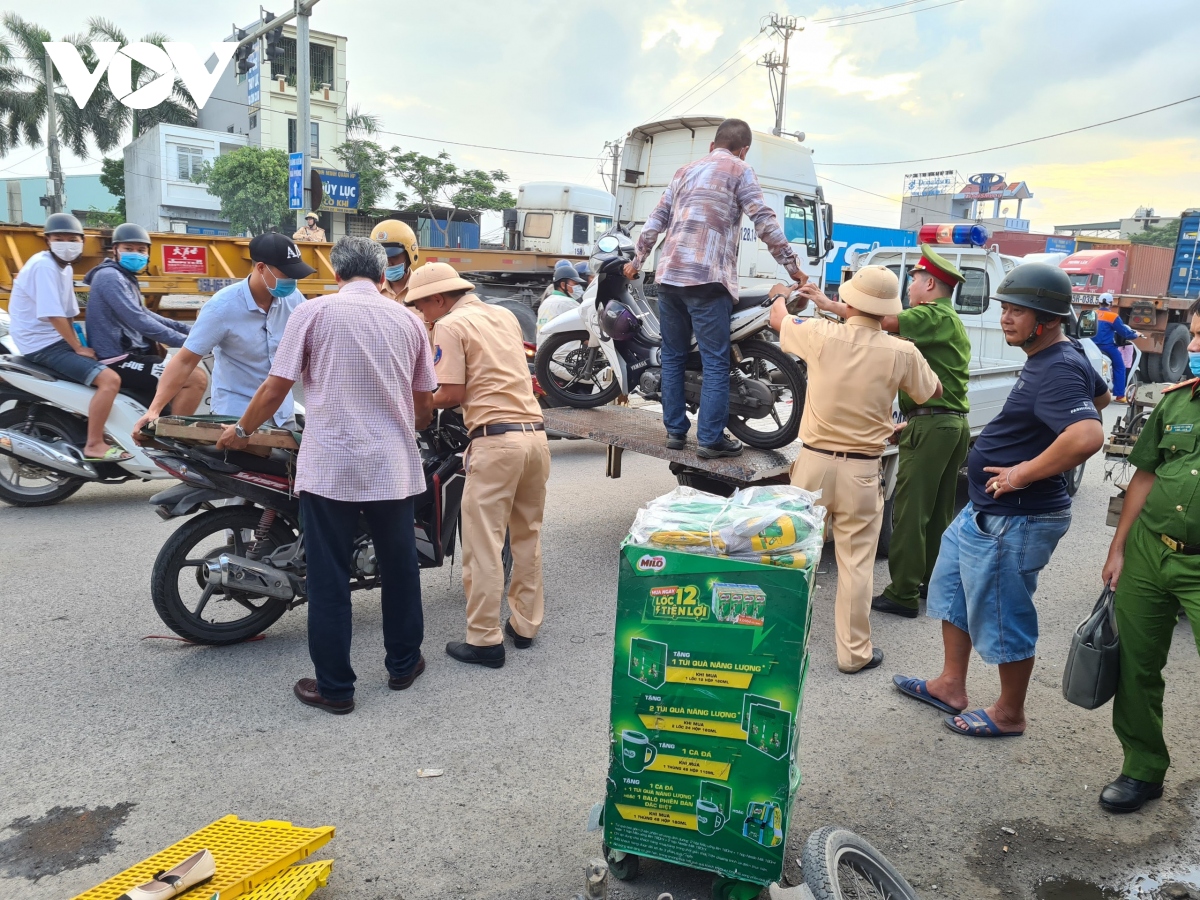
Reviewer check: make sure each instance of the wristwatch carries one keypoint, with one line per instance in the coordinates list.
(240, 431)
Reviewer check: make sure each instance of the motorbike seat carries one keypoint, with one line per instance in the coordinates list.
(751, 297)
(279, 463)
(20, 363)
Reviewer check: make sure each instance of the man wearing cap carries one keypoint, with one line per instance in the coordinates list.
(311, 231)
(854, 372)
(400, 244)
(241, 326)
(479, 358)
(935, 440)
(568, 291)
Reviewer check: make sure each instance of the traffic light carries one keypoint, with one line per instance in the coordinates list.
(274, 39)
(243, 54)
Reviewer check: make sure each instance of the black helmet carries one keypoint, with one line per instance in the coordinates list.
(1037, 286)
(618, 321)
(130, 233)
(62, 223)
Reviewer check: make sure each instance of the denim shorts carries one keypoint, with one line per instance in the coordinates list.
(66, 362)
(986, 572)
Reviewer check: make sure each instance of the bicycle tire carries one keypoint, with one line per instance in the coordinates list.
(833, 856)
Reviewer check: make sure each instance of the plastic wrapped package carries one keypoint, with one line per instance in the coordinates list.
(775, 525)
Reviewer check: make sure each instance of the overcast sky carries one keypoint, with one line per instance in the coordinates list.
(933, 78)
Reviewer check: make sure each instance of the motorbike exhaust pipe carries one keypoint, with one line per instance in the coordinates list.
(240, 574)
(30, 449)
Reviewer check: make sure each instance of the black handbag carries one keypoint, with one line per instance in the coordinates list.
(1090, 678)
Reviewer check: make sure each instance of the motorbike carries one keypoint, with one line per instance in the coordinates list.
(229, 573)
(43, 429)
(612, 345)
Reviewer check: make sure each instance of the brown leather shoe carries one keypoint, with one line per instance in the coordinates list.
(403, 684)
(306, 692)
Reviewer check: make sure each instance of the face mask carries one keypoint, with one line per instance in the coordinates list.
(395, 273)
(283, 286)
(1194, 363)
(577, 292)
(133, 262)
(66, 250)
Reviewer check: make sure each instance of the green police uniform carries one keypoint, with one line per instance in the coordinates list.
(1161, 573)
(933, 444)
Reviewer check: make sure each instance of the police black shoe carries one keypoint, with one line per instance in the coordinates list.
(492, 657)
(519, 640)
(1126, 795)
(872, 663)
(727, 446)
(676, 441)
(883, 603)
(923, 591)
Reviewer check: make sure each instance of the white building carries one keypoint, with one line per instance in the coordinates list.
(271, 121)
(159, 166)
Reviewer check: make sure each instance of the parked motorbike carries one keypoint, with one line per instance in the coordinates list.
(230, 572)
(611, 345)
(43, 429)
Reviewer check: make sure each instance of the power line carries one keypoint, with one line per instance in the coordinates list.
(865, 12)
(721, 67)
(753, 63)
(912, 12)
(1045, 137)
(940, 212)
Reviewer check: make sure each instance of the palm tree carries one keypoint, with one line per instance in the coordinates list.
(358, 122)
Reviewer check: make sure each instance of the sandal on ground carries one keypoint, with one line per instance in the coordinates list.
(918, 689)
(979, 724)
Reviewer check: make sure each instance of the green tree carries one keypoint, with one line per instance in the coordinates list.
(1164, 235)
(252, 185)
(436, 182)
(370, 161)
(112, 177)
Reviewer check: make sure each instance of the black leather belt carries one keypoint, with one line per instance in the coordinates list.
(505, 428)
(935, 411)
(836, 453)
(1180, 546)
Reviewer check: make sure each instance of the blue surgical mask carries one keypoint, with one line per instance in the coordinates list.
(133, 262)
(283, 286)
(395, 273)
(1194, 362)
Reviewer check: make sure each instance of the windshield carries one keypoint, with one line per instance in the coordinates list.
(1079, 280)
(800, 223)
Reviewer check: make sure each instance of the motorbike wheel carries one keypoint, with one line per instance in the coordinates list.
(562, 362)
(840, 865)
(26, 484)
(765, 362)
(180, 588)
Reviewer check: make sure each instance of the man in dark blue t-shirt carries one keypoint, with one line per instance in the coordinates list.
(990, 557)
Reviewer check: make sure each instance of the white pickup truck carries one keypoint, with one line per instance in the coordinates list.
(994, 364)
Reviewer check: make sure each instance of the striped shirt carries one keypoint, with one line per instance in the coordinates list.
(361, 356)
(701, 212)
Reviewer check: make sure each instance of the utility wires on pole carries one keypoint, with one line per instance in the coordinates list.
(784, 27)
(55, 199)
(612, 149)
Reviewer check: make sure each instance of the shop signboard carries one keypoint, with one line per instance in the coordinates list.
(707, 689)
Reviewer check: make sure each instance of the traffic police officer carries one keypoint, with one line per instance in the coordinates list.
(934, 443)
(479, 358)
(854, 371)
(1154, 564)
(400, 244)
(311, 231)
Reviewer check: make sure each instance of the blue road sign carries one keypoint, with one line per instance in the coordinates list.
(295, 181)
(341, 188)
(253, 89)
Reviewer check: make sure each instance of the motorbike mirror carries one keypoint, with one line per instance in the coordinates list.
(607, 244)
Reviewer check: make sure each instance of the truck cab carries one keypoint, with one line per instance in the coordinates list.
(654, 152)
(1093, 272)
(558, 217)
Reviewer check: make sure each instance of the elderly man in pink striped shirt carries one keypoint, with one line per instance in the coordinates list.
(368, 380)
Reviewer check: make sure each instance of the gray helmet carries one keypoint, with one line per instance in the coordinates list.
(564, 271)
(130, 233)
(62, 223)
(1037, 286)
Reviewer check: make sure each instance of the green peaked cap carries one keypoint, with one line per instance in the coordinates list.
(931, 260)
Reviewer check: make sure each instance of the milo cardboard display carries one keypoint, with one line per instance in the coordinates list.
(708, 672)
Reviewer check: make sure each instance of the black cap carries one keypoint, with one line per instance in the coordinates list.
(279, 251)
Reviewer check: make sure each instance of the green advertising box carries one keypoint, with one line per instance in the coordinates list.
(708, 674)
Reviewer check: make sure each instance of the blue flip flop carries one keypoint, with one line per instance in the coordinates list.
(917, 689)
(979, 724)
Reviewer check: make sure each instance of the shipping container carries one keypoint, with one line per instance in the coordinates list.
(1021, 243)
(1148, 270)
(459, 235)
(1185, 270)
(849, 240)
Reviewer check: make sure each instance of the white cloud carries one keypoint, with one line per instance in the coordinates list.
(691, 32)
(820, 58)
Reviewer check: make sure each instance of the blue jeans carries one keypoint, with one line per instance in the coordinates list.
(704, 309)
(66, 362)
(1113, 352)
(985, 576)
(329, 530)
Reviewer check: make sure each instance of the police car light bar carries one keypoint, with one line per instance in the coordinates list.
(969, 235)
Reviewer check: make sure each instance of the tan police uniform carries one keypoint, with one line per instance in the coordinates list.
(480, 346)
(854, 372)
(315, 233)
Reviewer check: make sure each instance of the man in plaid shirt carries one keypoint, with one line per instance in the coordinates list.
(701, 213)
(368, 379)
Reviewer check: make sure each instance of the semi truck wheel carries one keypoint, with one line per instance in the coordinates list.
(1173, 362)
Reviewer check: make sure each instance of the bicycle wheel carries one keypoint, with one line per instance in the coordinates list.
(840, 865)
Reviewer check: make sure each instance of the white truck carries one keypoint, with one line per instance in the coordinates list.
(558, 217)
(653, 152)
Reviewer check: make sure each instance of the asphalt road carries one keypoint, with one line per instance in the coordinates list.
(94, 717)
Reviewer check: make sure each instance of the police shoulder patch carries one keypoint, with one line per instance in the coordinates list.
(437, 354)
(1189, 383)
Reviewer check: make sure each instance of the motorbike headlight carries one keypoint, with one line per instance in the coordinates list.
(608, 243)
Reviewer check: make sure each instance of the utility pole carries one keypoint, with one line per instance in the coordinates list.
(784, 27)
(303, 111)
(613, 148)
(55, 199)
